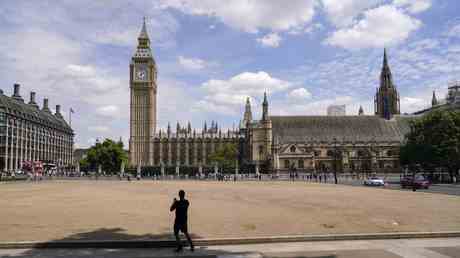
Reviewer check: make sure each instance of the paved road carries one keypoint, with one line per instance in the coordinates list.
(407, 248)
(443, 189)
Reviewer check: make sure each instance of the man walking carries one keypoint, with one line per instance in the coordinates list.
(180, 223)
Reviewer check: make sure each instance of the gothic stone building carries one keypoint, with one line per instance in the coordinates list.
(274, 144)
(28, 133)
(147, 147)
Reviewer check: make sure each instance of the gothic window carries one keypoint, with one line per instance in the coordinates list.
(261, 150)
(292, 149)
(286, 163)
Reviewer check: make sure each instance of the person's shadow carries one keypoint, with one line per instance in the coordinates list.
(132, 246)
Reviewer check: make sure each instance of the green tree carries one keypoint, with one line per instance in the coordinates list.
(109, 155)
(434, 141)
(225, 156)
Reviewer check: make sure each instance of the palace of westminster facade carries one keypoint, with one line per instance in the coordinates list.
(274, 144)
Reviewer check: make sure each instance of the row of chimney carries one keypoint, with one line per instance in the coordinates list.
(32, 102)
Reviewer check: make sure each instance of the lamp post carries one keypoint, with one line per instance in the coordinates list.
(373, 156)
(335, 159)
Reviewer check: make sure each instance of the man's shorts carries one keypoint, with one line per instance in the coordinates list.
(180, 227)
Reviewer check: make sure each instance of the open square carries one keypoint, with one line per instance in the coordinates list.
(82, 209)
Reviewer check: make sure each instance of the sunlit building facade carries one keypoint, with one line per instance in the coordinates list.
(31, 133)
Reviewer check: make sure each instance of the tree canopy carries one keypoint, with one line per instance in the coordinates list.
(225, 156)
(109, 155)
(434, 141)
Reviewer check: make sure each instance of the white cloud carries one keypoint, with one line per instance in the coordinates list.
(383, 26)
(317, 107)
(299, 94)
(270, 40)
(247, 83)
(454, 31)
(192, 63)
(250, 16)
(411, 104)
(413, 6)
(343, 12)
(109, 111)
(99, 129)
(226, 96)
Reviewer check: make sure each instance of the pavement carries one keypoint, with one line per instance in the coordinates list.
(393, 248)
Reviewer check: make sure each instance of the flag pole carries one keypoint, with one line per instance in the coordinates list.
(70, 117)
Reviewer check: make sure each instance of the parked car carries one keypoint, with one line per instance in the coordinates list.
(419, 182)
(374, 181)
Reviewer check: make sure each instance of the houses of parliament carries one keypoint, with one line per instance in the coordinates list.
(266, 144)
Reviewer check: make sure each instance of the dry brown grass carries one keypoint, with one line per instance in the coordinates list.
(114, 209)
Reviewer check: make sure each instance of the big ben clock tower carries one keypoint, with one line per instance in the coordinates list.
(143, 102)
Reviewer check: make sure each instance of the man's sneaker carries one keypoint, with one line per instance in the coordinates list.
(192, 248)
(179, 249)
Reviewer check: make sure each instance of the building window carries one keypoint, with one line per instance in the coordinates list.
(330, 153)
(286, 163)
(293, 149)
(261, 150)
(2, 118)
(300, 163)
(317, 153)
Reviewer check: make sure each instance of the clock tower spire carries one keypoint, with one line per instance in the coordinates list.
(143, 101)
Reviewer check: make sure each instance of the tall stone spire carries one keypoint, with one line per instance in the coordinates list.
(247, 117)
(434, 100)
(143, 34)
(386, 79)
(143, 89)
(265, 108)
(143, 43)
(387, 97)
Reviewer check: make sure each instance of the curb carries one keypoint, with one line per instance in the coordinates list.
(222, 241)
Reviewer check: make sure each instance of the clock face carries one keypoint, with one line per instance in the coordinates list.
(141, 74)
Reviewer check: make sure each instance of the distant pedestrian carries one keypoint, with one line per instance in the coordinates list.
(180, 222)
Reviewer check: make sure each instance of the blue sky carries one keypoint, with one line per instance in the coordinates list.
(211, 55)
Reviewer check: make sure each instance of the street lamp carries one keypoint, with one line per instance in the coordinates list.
(335, 159)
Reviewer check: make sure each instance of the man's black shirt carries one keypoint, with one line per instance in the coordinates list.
(181, 208)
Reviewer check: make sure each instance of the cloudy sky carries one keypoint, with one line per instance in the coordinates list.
(212, 54)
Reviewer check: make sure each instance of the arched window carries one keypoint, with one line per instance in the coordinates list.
(292, 149)
(361, 153)
(330, 153)
(389, 153)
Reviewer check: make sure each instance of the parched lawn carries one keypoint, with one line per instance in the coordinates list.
(82, 209)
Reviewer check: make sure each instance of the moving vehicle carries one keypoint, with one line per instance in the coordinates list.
(374, 181)
(420, 182)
